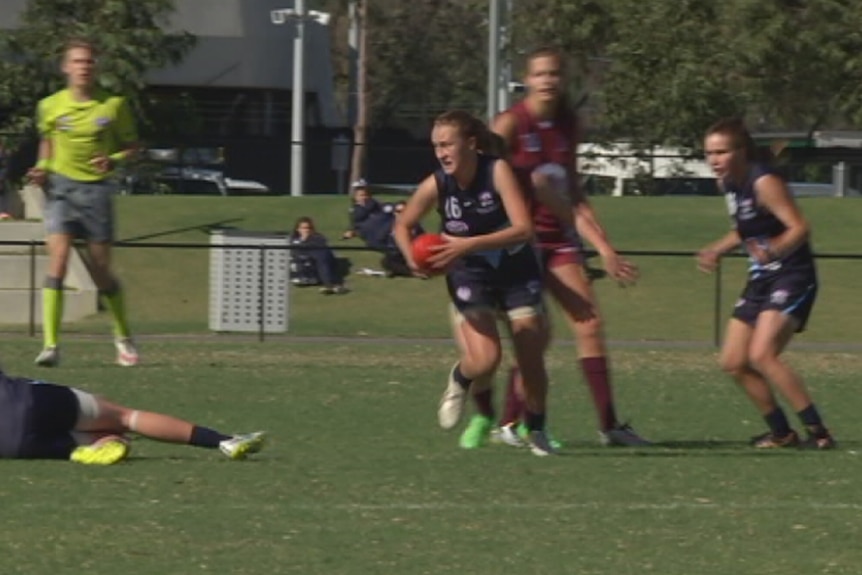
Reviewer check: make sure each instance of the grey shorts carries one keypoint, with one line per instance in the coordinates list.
(84, 210)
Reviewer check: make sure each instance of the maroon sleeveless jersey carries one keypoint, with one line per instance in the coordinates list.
(541, 142)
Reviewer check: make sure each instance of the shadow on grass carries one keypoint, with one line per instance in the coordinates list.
(194, 458)
(695, 448)
(205, 227)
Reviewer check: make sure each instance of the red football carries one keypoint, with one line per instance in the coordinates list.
(422, 248)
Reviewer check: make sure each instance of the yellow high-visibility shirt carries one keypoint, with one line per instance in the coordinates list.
(79, 131)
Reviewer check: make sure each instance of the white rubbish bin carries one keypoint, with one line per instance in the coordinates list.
(236, 291)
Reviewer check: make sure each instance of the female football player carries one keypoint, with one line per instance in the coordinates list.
(491, 269)
(541, 137)
(781, 286)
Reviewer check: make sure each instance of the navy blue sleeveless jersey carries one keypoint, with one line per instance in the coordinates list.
(501, 279)
(475, 211)
(16, 399)
(756, 224)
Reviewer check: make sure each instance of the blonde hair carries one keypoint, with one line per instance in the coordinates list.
(76, 43)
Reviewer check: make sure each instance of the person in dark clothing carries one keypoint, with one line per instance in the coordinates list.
(40, 420)
(370, 220)
(491, 271)
(317, 264)
(781, 288)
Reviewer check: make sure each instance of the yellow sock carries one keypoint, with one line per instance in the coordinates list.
(115, 304)
(52, 314)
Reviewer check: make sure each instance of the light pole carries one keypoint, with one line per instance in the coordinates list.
(504, 47)
(353, 45)
(499, 42)
(298, 15)
(493, 57)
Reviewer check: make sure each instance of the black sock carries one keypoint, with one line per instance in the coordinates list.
(484, 401)
(206, 437)
(534, 421)
(460, 378)
(777, 422)
(810, 418)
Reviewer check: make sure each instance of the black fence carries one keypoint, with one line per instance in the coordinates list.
(34, 246)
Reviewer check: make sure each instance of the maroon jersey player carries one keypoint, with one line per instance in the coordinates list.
(541, 137)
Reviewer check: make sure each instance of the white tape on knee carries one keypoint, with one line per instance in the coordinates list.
(133, 420)
(88, 406)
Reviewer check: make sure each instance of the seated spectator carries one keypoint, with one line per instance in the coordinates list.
(393, 261)
(369, 220)
(316, 265)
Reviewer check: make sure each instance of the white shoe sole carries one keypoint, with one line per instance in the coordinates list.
(505, 436)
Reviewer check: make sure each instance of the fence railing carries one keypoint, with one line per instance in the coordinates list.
(33, 246)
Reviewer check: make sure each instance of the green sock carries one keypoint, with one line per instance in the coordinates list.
(114, 301)
(52, 314)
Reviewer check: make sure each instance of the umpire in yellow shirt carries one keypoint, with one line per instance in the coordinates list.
(85, 133)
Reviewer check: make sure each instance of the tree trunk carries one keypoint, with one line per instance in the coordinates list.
(357, 167)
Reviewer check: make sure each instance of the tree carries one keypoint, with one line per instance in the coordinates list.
(582, 29)
(671, 72)
(131, 37)
(360, 151)
(426, 56)
(663, 70)
(800, 59)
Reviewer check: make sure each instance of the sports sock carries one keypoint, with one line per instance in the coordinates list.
(777, 422)
(810, 418)
(52, 310)
(206, 437)
(460, 377)
(514, 405)
(597, 374)
(484, 403)
(114, 301)
(534, 421)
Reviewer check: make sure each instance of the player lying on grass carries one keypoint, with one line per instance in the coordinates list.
(41, 420)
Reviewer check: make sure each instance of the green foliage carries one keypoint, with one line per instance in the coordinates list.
(581, 28)
(426, 56)
(665, 69)
(667, 85)
(131, 38)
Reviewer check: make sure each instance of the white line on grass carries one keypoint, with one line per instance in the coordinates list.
(550, 506)
(466, 506)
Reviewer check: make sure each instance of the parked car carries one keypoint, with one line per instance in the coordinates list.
(206, 182)
(192, 171)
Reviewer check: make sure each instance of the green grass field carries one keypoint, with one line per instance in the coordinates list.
(168, 288)
(358, 478)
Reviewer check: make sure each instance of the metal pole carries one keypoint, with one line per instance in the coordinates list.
(493, 56)
(716, 328)
(353, 72)
(297, 145)
(262, 294)
(33, 289)
(504, 97)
